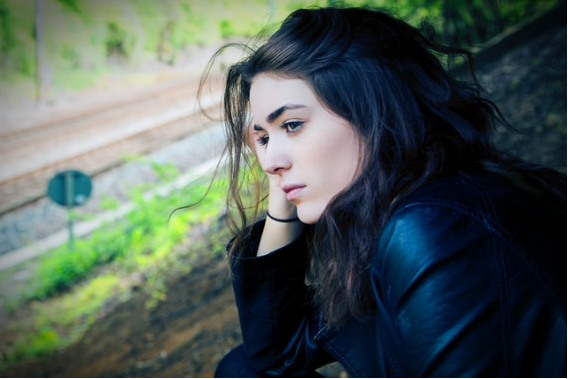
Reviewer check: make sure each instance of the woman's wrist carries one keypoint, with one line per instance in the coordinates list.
(282, 225)
(276, 235)
(283, 220)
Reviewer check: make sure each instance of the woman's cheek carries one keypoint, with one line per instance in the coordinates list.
(252, 144)
(258, 152)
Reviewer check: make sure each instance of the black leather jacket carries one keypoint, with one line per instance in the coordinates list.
(469, 278)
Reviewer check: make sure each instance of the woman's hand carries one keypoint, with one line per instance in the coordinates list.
(278, 204)
(277, 234)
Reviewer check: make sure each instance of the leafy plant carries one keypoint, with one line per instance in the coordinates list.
(71, 286)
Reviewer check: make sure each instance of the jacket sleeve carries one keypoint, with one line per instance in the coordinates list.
(278, 322)
(458, 298)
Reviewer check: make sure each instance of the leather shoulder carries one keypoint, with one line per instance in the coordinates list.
(465, 262)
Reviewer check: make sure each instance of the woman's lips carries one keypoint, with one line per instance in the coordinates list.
(292, 191)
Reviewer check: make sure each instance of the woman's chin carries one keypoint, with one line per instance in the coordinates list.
(308, 217)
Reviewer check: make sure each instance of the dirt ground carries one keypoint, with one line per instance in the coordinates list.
(187, 334)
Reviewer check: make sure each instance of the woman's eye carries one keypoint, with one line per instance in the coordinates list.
(263, 140)
(292, 126)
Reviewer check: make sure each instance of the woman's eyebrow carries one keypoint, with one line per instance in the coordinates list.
(277, 113)
(274, 115)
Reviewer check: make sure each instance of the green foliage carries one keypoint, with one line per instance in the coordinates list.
(71, 4)
(469, 23)
(16, 37)
(65, 319)
(46, 339)
(86, 41)
(116, 41)
(71, 286)
(7, 38)
(141, 237)
(227, 29)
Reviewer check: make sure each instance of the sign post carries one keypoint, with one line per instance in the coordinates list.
(70, 188)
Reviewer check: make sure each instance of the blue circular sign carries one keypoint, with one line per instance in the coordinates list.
(70, 188)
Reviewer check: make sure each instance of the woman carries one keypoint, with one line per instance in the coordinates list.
(398, 241)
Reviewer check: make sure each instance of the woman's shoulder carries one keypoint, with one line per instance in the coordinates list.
(486, 218)
(503, 199)
(456, 257)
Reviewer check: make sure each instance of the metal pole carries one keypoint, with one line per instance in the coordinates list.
(39, 30)
(69, 185)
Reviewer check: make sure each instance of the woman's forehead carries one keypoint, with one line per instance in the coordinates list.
(270, 93)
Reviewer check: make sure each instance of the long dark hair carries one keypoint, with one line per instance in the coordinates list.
(415, 122)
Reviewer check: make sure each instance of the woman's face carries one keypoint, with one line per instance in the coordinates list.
(314, 153)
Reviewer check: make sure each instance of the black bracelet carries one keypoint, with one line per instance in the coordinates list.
(281, 220)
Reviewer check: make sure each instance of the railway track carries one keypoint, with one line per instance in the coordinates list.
(95, 139)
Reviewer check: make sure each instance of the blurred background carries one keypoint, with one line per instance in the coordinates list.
(112, 283)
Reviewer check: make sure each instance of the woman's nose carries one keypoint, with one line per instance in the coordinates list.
(275, 159)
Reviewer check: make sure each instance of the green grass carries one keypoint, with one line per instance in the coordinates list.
(70, 287)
